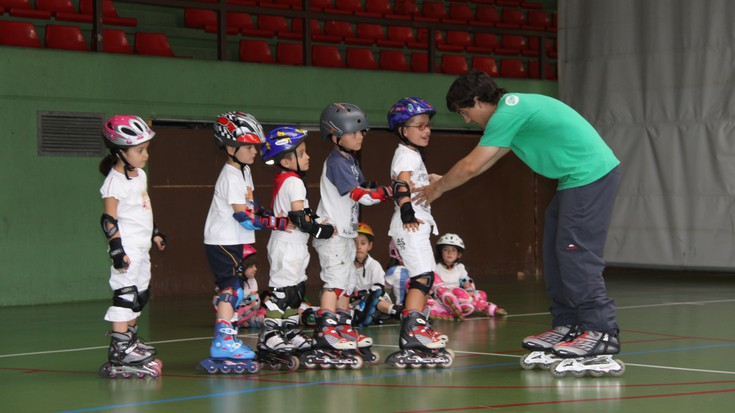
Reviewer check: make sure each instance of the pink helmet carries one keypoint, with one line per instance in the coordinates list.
(124, 131)
(393, 251)
(248, 250)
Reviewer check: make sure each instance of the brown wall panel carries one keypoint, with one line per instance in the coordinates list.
(498, 214)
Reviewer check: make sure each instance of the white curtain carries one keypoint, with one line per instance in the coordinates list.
(657, 80)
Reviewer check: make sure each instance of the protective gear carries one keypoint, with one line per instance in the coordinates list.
(364, 229)
(125, 131)
(401, 190)
(139, 299)
(393, 251)
(341, 118)
(417, 284)
(450, 239)
(229, 296)
(109, 225)
(157, 233)
(289, 297)
(371, 196)
(237, 129)
(248, 250)
(264, 218)
(407, 108)
(117, 253)
(408, 215)
(305, 220)
(246, 220)
(280, 141)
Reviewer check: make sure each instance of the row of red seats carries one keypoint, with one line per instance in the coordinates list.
(63, 10)
(258, 51)
(368, 34)
(17, 33)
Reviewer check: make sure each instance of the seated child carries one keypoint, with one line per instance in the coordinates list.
(249, 313)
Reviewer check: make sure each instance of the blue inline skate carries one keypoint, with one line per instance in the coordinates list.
(228, 354)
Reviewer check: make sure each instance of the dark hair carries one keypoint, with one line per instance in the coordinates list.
(392, 262)
(249, 261)
(474, 83)
(107, 163)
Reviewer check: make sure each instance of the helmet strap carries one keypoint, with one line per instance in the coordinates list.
(406, 142)
(127, 167)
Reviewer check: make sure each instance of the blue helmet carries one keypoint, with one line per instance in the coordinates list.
(407, 108)
(281, 140)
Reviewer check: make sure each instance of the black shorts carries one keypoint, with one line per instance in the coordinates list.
(225, 262)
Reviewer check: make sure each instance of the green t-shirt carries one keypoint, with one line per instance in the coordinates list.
(551, 138)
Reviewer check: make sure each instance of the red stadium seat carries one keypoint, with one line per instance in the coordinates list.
(14, 33)
(486, 64)
(274, 4)
(527, 5)
(537, 20)
(153, 44)
(454, 64)
(422, 37)
(398, 36)
(533, 71)
(326, 56)
(63, 10)
(116, 41)
(459, 14)
(345, 7)
(456, 41)
(290, 54)
(512, 68)
(65, 38)
(320, 5)
(511, 45)
(255, 51)
(512, 19)
(406, 8)
(393, 60)
(298, 29)
(420, 62)
(486, 16)
(485, 43)
(199, 18)
(432, 11)
(335, 32)
(369, 33)
(109, 13)
(23, 8)
(361, 58)
(376, 8)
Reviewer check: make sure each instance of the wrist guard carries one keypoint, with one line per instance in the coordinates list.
(117, 253)
(366, 194)
(408, 216)
(157, 233)
(245, 218)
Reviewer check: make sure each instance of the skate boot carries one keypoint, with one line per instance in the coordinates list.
(133, 330)
(363, 343)
(589, 353)
(295, 336)
(274, 349)
(420, 345)
(541, 346)
(329, 348)
(228, 354)
(125, 358)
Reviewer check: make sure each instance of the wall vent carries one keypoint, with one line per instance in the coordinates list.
(70, 134)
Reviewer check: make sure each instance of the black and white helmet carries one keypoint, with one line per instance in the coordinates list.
(341, 118)
(450, 239)
(237, 129)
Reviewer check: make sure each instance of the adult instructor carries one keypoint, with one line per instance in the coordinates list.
(557, 142)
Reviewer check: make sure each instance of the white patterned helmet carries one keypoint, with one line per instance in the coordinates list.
(450, 239)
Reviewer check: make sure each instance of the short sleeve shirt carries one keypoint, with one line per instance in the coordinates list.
(406, 159)
(292, 190)
(339, 177)
(234, 186)
(134, 211)
(551, 138)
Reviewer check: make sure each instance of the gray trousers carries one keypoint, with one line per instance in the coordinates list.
(577, 220)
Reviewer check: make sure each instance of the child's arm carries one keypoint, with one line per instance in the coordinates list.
(402, 196)
(368, 193)
(120, 259)
(159, 238)
(305, 221)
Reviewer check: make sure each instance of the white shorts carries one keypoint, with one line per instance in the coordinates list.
(288, 261)
(137, 274)
(416, 250)
(336, 258)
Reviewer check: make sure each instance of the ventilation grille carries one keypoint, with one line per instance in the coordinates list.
(70, 134)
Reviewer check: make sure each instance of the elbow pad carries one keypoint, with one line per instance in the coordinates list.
(401, 190)
(305, 220)
(109, 225)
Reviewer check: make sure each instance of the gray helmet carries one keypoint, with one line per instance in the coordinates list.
(340, 118)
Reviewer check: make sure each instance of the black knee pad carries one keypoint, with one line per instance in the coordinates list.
(417, 284)
(289, 297)
(135, 305)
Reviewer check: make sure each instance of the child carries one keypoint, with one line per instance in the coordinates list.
(249, 314)
(457, 291)
(368, 279)
(127, 222)
(396, 275)
(288, 252)
(229, 227)
(342, 188)
(410, 229)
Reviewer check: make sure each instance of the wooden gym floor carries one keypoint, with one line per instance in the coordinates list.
(677, 333)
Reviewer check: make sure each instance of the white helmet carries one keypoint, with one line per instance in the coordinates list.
(450, 239)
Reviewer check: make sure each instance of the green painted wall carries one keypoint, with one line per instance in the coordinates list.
(51, 247)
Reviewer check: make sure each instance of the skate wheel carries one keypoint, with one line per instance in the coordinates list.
(105, 371)
(274, 366)
(430, 365)
(376, 358)
(596, 373)
(325, 365)
(576, 373)
(340, 366)
(253, 368)
(239, 369)
(212, 369)
(156, 372)
(127, 375)
(526, 366)
(619, 372)
(555, 372)
(293, 363)
(449, 362)
(358, 363)
(415, 365)
(141, 375)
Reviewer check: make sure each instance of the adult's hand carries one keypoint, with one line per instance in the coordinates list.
(428, 194)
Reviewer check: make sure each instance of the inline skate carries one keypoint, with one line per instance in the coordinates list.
(274, 349)
(363, 343)
(126, 359)
(541, 346)
(590, 353)
(329, 348)
(420, 345)
(228, 354)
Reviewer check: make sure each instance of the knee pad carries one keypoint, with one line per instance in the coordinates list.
(289, 297)
(233, 297)
(139, 299)
(462, 295)
(422, 282)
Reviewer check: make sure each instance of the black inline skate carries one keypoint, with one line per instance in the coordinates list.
(362, 342)
(273, 349)
(329, 348)
(591, 353)
(541, 346)
(420, 345)
(126, 359)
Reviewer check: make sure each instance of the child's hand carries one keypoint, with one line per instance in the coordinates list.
(160, 242)
(413, 226)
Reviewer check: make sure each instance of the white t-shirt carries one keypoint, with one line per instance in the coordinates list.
(339, 177)
(292, 190)
(232, 187)
(134, 212)
(406, 159)
(249, 287)
(371, 273)
(451, 277)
